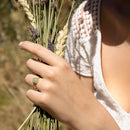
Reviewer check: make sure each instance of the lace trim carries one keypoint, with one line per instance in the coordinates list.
(85, 20)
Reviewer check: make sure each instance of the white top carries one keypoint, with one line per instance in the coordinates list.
(83, 53)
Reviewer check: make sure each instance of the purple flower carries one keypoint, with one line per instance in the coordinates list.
(34, 32)
(50, 45)
(36, 2)
(53, 5)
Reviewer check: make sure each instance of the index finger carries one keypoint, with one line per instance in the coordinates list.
(41, 52)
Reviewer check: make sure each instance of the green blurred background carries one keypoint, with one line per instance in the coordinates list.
(14, 106)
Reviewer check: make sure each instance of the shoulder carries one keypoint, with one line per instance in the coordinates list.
(85, 19)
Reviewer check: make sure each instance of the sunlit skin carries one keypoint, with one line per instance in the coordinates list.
(70, 99)
(115, 25)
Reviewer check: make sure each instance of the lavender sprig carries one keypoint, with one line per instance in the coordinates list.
(45, 32)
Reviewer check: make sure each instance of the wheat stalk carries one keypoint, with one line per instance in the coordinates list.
(28, 12)
(47, 29)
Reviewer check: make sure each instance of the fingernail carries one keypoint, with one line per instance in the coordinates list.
(20, 43)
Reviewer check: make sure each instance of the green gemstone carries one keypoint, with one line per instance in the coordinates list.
(35, 80)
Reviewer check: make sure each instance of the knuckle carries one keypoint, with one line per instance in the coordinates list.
(49, 87)
(50, 74)
(64, 65)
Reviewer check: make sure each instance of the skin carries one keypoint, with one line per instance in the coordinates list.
(116, 50)
(61, 89)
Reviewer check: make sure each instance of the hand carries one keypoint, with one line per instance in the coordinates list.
(61, 92)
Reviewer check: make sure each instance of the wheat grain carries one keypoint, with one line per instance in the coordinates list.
(28, 12)
(61, 41)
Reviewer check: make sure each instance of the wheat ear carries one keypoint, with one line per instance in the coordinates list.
(63, 34)
(61, 41)
(28, 12)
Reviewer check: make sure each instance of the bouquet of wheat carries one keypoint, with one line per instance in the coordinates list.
(43, 16)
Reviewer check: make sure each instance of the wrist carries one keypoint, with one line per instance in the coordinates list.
(83, 122)
(80, 120)
(94, 117)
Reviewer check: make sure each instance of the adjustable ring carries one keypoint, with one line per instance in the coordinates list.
(35, 82)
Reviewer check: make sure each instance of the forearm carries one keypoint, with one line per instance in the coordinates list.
(96, 117)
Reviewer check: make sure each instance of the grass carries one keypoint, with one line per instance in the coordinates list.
(13, 103)
(4, 98)
(14, 107)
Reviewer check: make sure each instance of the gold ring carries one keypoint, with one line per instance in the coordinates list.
(35, 82)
